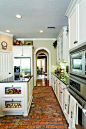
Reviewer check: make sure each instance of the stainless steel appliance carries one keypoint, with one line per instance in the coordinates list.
(77, 87)
(78, 61)
(21, 65)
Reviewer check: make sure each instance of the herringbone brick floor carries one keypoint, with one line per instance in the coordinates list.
(45, 113)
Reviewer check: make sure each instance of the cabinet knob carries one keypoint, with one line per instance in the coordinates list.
(12, 100)
(9, 73)
(21, 55)
(60, 92)
(12, 85)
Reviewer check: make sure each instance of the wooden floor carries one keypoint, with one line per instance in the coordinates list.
(42, 81)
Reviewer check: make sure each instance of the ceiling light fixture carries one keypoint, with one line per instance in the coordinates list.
(18, 16)
(7, 31)
(41, 31)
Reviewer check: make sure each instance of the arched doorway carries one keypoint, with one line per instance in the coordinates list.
(37, 51)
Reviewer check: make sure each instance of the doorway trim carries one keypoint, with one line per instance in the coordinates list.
(35, 60)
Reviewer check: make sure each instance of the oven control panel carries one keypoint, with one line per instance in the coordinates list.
(75, 85)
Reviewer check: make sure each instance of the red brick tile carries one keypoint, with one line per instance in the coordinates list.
(35, 116)
(53, 122)
(35, 123)
(9, 123)
(50, 126)
(32, 119)
(21, 127)
(40, 126)
(43, 123)
(30, 127)
(43, 116)
(59, 126)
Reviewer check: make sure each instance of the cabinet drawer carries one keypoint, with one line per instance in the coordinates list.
(13, 90)
(12, 104)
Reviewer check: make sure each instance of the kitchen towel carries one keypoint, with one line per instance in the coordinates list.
(77, 114)
(66, 101)
(66, 104)
(73, 115)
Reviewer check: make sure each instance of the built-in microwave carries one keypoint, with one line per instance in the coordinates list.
(78, 63)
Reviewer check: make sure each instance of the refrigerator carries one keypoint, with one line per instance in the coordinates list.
(22, 66)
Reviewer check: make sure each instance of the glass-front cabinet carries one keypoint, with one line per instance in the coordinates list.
(12, 104)
(15, 89)
(62, 46)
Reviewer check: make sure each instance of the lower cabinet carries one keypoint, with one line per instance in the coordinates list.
(16, 98)
(59, 89)
(12, 104)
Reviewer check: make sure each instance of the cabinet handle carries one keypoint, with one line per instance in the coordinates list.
(65, 106)
(21, 55)
(12, 85)
(12, 100)
(71, 114)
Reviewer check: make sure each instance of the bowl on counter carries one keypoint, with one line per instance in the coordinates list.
(26, 76)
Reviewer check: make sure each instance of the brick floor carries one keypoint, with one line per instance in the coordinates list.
(45, 113)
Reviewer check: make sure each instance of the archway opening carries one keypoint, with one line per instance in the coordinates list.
(42, 79)
(46, 71)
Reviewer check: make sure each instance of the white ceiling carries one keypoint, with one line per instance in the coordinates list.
(36, 15)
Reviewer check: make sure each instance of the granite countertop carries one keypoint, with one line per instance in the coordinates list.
(10, 80)
(61, 79)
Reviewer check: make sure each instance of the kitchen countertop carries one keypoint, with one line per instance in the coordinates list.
(10, 80)
(62, 80)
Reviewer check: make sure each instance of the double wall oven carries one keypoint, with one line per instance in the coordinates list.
(77, 80)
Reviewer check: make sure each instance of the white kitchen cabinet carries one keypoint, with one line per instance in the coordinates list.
(60, 96)
(57, 88)
(22, 51)
(6, 62)
(7, 90)
(19, 103)
(82, 21)
(62, 46)
(12, 101)
(72, 29)
(76, 21)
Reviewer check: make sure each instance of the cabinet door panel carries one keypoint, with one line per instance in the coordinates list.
(82, 20)
(5, 65)
(12, 104)
(18, 52)
(72, 29)
(27, 52)
(13, 90)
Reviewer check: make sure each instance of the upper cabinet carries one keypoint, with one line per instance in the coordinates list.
(62, 46)
(76, 22)
(22, 51)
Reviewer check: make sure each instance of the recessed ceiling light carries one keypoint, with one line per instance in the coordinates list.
(7, 31)
(18, 16)
(41, 31)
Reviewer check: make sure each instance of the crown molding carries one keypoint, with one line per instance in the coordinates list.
(35, 39)
(71, 6)
(64, 28)
(6, 33)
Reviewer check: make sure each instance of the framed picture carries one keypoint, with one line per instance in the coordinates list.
(28, 42)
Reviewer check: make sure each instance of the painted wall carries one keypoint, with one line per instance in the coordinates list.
(47, 44)
(8, 40)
